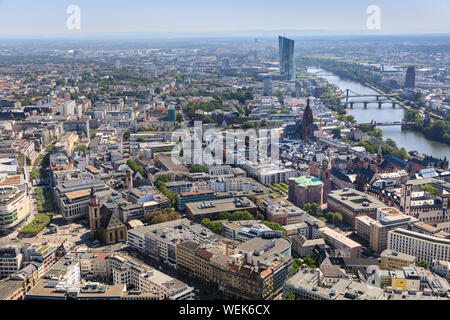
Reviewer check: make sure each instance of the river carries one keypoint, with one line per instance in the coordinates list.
(410, 140)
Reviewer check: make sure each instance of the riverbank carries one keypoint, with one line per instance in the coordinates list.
(408, 139)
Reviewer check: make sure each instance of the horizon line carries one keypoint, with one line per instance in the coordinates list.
(228, 33)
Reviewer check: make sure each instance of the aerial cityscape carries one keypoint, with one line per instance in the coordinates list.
(262, 165)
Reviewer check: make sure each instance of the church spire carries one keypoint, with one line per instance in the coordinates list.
(307, 131)
(93, 200)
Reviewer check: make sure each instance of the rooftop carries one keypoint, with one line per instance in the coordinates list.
(306, 181)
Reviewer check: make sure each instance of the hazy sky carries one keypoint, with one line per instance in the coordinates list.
(48, 17)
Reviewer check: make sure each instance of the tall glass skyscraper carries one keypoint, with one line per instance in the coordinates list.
(287, 62)
(410, 81)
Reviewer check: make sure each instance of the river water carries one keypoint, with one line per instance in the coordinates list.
(410, 140)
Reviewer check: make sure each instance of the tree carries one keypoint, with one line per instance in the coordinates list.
(296, 264)
(248, 125)
(215, 227)
(336, 133)
(391, 143)
(429, 188)
(273, 225)
(423, 264)
(81, 148)
(164, 178)
(369, 146)
(401, 153)
(166, 214)
(351, 119)
(386, 149)
(364, 127)
(161, 186)
(290, 296)
(313, 209)
(136, 168)
(334, 217)
(376, 133)
(310, 262)
(235, 216)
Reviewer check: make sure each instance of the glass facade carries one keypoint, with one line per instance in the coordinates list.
(287, 62)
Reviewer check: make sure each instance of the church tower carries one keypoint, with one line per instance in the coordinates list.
(307, 124)
(94, 215)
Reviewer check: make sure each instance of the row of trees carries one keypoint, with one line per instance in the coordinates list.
(347, 70)
(136, 168)
(161, 186)
(34, 227)
(235, 216)
(274, 226)
(332, 101)
(44, 199)
(214, 226)
(195, 168)
(386, 148)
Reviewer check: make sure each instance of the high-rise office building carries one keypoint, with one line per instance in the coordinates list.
(172, 115)
(410, 79)
(267, 86)
(287, 62)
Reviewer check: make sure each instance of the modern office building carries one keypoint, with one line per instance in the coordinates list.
(267, 86)
(423, 247)
(248, 229)
(196, 211)
(410, 79)
(376, 232)
(72, 193)
(15, 207)
(287, 61)
(172, 115)
(353, 203)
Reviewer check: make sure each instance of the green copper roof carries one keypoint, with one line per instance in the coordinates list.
(307, 181)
